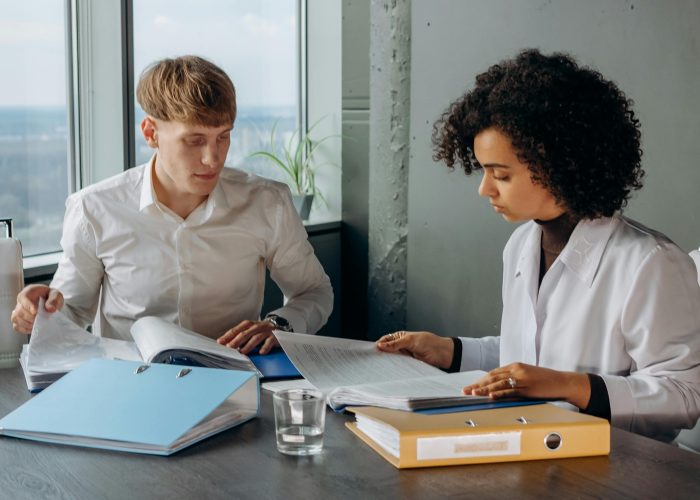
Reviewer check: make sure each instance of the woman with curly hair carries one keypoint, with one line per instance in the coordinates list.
(598, 310)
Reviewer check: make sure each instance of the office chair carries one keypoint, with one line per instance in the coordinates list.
(11, 282)
(689, 439)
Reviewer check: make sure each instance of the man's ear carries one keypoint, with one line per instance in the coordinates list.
(149, 129)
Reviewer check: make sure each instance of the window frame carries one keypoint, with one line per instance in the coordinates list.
(101, 97)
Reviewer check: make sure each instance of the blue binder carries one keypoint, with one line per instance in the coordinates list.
(275, 365)
(120, 405)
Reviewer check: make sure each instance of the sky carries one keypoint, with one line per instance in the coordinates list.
(254, 41)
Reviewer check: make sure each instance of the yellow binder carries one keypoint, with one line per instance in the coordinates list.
(407, 439)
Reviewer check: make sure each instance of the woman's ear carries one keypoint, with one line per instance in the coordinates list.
(150, 131)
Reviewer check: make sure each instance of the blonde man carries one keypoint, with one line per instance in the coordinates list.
(182, 237)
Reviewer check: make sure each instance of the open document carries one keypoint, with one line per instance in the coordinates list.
(354, 373)
(57, 346)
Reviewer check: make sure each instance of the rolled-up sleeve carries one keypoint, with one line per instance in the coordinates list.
(80, 271)
(296, 270)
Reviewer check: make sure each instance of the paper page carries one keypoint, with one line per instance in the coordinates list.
(445, 385)
(396, 393)
(328, 362)
(155, 335)
(59, 345)
(280, 385)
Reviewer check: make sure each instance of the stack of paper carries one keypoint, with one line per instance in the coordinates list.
(57, 346)
(355, 372)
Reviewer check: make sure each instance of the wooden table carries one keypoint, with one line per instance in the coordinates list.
(244, 463)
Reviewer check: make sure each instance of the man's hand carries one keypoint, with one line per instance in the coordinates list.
(27, 306)
(248, 334)
(522, 380)
(426, 346)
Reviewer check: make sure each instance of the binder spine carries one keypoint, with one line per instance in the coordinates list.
(531, 443)
(467, 446)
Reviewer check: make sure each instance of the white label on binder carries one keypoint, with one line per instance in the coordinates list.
(478, 445)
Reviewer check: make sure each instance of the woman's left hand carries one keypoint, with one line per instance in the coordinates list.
(522, 380)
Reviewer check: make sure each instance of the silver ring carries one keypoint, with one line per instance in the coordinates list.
(512, 383)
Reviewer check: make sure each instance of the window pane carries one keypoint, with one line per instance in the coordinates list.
(254, 41)
(34, 179)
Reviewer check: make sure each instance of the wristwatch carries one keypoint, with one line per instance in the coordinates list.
(279, 323)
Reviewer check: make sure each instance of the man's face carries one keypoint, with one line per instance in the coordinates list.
(190, 157)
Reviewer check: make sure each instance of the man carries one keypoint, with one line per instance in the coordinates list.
(182, 237)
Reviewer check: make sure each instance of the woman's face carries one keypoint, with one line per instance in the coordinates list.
(507, 182)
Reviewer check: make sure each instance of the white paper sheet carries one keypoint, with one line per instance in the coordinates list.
(328, 362)
(280, 385)
(59, 345)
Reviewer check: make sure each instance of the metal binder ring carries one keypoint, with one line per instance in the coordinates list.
(512, 383)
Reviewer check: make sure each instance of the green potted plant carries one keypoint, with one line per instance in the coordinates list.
(297, 161)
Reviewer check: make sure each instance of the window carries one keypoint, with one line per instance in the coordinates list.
(68, 62)
(34, 138)
(255, 41)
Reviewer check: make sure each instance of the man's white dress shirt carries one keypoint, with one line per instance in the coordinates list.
(135, 256)
(621, 301)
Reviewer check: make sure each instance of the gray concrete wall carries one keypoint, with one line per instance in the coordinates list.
(650, 47)
(390, 63)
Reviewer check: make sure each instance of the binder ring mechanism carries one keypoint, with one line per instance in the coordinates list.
(180, 374)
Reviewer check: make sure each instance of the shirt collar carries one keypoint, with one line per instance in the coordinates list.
(148, 193)
(216, 200)
(586, 245)
(582, 252)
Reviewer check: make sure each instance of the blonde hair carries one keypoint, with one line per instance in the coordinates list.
(187, 89)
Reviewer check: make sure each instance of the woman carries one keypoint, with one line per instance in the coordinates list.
(597, 309)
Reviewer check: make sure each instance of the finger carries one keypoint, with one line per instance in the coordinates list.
(243, 336)
(484, 381)
(29, 297)
(395, 342)
(253, 341)
(270, 343)
(387, 338)
(233, 332)
(507, 393)
(22, 320)
(54, 302)
(391, 337)
(22, 325)
(485, 385)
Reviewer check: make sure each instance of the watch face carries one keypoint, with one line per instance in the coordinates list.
(279, 322)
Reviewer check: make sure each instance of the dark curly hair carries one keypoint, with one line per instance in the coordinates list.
(574, 129)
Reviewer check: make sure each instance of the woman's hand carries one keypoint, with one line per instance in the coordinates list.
(521, 380)
(426, 346)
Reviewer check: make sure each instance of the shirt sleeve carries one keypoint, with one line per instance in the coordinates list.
(80, 271)
(296, 270)
(661, 326)
(480, 353)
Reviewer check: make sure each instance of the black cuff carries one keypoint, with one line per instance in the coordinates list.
(456, 356)
(599, 404)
